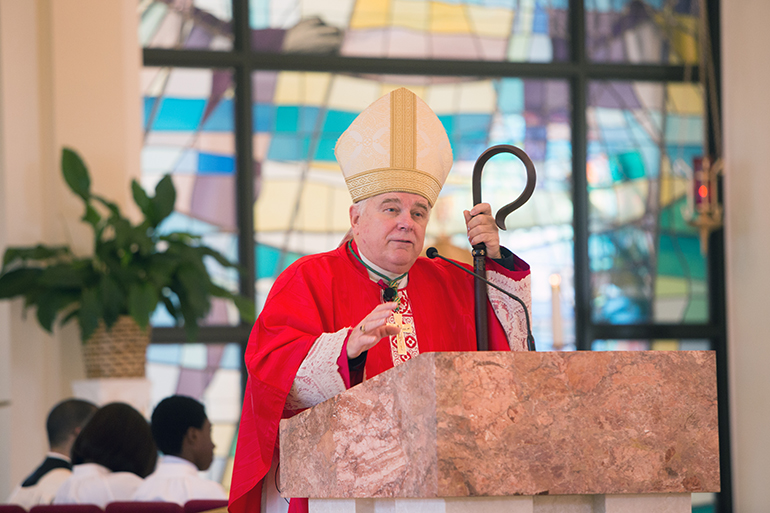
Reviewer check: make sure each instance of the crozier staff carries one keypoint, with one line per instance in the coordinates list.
(334, 319)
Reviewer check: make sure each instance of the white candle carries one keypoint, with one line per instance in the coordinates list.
(556, 326)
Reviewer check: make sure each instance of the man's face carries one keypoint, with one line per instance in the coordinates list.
(390, 229)
(203, 446)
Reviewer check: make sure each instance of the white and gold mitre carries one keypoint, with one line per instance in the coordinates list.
(397, 144)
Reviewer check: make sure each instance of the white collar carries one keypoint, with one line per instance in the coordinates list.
(375, 278)
(58, 456)
(177, 464)
(90, 469)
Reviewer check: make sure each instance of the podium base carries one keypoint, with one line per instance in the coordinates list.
(642, 503)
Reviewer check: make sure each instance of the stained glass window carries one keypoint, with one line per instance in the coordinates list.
(192, 24)
(491, 30)
(302, 203)
(642, 31)
(646, 261)
(210, 373)
(188, 132)
(644, 264)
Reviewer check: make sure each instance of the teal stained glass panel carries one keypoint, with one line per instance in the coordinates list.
(492, 30)
(642, 31)
(188, 133)
(646, 261)
(210, 373)
(192, 24)
(302, 201)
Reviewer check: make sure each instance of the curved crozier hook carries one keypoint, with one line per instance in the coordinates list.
(478, 167)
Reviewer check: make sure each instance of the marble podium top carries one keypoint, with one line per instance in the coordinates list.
(499, 423)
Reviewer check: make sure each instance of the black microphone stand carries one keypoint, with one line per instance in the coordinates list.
(433, 253)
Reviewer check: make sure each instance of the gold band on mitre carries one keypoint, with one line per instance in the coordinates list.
(379, 181)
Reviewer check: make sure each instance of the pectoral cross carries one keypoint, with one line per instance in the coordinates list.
(403, 328)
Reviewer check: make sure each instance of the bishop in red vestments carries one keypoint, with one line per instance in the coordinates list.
(334, 319)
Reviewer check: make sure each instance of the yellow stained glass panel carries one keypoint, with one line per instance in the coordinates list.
(449, 19)
(685, 99)
(670, 286)
(370, 14)
(490, 22)
(410, 14)
(301, 88)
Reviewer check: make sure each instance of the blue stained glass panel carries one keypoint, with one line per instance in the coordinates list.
(188, 121)
(646, 262)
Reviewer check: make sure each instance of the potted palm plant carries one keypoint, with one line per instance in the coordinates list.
(113, 292)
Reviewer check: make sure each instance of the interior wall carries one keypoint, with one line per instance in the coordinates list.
(746, 116)
(69, 75)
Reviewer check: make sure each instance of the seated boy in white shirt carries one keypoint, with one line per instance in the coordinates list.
(182, 432)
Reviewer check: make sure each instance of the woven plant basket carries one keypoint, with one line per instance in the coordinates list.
(117, 353)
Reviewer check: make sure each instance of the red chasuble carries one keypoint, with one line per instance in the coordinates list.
(325, 293)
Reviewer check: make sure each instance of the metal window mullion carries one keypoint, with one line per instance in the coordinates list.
(578, 91)
(244, 180)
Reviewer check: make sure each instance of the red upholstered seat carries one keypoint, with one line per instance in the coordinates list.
(66, 508)
(11, 508)
(197, 506)
(143, 507)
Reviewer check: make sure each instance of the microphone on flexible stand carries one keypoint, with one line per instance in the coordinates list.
(433, 253)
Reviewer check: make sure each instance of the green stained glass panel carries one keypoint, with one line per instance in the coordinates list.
(646, 261)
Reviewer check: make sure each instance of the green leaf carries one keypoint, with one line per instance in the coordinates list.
(165, 197)
(112, 207)
(65, 275)
(195, 293)
(170, 307)
(39, 252)
(19, 282)
(67, 318)
(75, 173)
(246, 308)
(113, 300)
(123, 233)
(142, 300)
(142, 200)
(50, 304)
(90, 313)
(91, 216)
(190, 323)
(219, 257)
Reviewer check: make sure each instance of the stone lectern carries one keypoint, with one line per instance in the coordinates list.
(593, 432)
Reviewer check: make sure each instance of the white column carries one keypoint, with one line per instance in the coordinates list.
(69, 74)
(746, 116)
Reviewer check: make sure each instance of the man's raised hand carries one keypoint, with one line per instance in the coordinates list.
(482, 228)
(371, 329)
